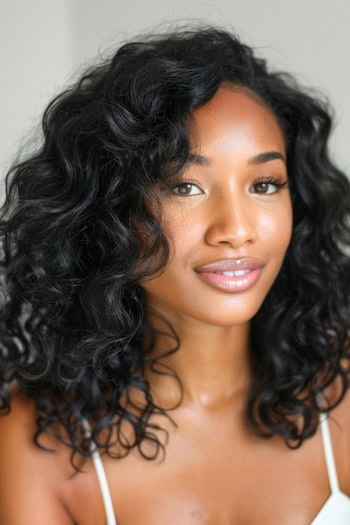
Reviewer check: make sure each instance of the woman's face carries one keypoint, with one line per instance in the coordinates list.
(222, 211)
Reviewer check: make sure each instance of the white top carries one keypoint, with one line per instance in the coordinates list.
(336, 510)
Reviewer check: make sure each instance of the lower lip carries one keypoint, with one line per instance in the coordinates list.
(231, 284)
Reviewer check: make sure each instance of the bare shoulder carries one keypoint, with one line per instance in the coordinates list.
(17, 430)
(339, 425)
(30, 477)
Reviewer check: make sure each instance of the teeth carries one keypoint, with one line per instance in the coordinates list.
(235, 274)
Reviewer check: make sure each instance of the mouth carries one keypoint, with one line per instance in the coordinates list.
(231, 281)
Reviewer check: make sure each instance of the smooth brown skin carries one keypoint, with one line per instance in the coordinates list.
(217, 471)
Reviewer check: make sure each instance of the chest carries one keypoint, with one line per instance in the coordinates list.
(216, 475)
(221, 485)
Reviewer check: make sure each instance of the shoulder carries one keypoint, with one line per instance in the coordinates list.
(30, 477)
(339, 427)
(19, 423)
(18, 428)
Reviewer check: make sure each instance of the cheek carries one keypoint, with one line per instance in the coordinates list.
(276, 229)
(183, 233)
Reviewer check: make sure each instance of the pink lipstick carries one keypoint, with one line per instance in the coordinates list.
(231, 283)
(231, 275)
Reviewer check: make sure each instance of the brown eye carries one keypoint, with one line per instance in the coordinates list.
(264, 183)
(184, 189)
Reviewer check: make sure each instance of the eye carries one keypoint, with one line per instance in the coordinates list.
(265, 182)
(184, 189)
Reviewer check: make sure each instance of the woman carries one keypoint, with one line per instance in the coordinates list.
(175, 311)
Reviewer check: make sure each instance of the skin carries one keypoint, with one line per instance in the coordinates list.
(215, 466)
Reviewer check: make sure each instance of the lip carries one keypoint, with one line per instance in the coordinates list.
(232, 264)
(230, 284)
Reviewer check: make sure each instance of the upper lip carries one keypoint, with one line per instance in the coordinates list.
(232, 264)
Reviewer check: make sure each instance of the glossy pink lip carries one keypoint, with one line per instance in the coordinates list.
(227, 265)
(230, 284)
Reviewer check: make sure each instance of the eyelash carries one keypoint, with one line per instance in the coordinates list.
(269, 180)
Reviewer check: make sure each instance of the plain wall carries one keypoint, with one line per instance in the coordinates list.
(45, 43)
(37, 54)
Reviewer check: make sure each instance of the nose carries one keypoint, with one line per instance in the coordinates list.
(232, 221)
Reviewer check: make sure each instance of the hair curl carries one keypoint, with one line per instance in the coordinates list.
(72, 314)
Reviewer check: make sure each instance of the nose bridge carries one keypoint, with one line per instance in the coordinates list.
(232, 218)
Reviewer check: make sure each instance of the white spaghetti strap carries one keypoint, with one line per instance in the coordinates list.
(328, 450)
(102, 479)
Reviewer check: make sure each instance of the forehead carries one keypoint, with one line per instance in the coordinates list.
(238, 119)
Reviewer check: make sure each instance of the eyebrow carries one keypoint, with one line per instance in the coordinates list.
(195, 158)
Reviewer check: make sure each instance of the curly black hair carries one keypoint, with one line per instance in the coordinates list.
(72, 317)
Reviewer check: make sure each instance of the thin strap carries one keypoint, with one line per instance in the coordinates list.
(328, 450)
(102, 479)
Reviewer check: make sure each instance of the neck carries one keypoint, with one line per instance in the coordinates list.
(213, 363)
